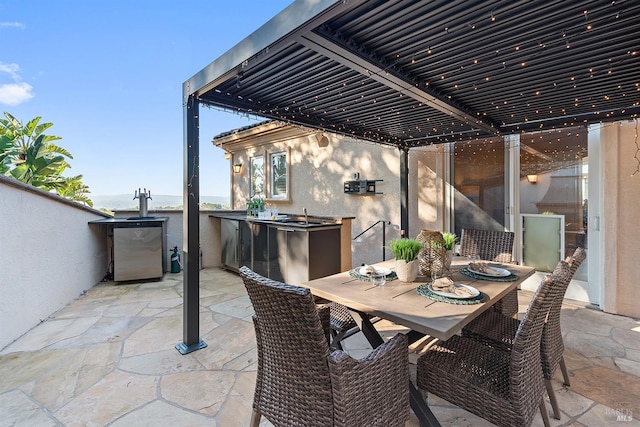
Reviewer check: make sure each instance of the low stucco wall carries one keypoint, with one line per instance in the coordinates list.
(50, 256)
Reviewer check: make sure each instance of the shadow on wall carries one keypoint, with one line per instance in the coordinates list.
(370, 247)
(472, 216)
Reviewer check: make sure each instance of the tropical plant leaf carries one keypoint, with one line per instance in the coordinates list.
(30, 156)
(7, 154)
(73, 188)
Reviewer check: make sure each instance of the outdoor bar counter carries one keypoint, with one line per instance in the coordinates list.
(290, 248)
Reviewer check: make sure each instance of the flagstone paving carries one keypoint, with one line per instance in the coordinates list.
(108, 359)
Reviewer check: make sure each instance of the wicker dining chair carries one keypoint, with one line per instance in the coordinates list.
(503, 387)
(495, 329)
(491, 245)
(300, 382)
(341, 324)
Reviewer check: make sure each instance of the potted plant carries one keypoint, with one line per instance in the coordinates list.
(450, 240)
(406, 253)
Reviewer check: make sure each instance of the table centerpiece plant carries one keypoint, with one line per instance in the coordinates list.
(406, 253)
(450, 240)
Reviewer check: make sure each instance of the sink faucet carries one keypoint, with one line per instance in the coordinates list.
(306, 218)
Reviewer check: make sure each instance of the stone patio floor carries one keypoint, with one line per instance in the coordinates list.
(108, 359)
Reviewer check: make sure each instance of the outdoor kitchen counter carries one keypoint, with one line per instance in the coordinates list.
(270, 247)
(291, 220)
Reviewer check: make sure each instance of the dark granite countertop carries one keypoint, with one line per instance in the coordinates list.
(284, 220)
(147, 220)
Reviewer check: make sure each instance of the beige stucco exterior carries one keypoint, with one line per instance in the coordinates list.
(620, 216)
(317, 174)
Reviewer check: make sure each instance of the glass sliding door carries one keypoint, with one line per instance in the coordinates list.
(553, 180)
(495, 182)
(478, 180)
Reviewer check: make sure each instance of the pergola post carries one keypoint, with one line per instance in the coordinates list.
(191, 228)
(404, 192)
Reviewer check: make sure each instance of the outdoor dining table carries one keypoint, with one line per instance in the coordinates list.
(400, 303)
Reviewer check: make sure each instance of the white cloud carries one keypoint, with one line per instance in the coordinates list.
(11, 69)
(18, 25)
(17, 92)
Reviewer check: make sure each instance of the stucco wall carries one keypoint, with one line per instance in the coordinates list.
(50, 256)
(621, 229)
(317, 176)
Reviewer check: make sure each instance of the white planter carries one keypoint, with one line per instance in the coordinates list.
(406, 271)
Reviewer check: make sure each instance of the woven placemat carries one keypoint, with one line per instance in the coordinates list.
(426, 292)
(510, 278)
(389, 277)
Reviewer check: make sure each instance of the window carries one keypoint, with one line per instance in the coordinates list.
(270, 175)
(257, 176)
(279, 174)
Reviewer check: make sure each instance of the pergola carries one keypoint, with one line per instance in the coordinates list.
(410, 73)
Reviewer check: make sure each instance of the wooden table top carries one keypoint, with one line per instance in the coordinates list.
(400, 303)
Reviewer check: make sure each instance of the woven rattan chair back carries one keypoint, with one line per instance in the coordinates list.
(293, 386)
(487, 244)
(301, 383)
(527, 379)
(342, 324)
(492, 246)
(552, 344)
(497, 330)
(504, 387)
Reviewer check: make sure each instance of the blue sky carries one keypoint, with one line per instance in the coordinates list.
(109, 74)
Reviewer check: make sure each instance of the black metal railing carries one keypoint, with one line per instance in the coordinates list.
(384, 234)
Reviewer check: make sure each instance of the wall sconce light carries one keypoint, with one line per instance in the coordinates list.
(532, 179)
(323, 140)
(237, 168)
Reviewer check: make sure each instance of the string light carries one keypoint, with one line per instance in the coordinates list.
(527, 55)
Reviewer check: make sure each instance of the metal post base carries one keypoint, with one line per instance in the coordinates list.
(186, 349)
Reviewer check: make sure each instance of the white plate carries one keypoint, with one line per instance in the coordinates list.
(380, 270)
(500, 272)
(474, 292)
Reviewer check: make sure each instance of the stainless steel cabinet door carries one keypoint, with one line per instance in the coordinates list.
(137, 253)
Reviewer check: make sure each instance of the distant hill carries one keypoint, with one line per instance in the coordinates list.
(158, 201)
